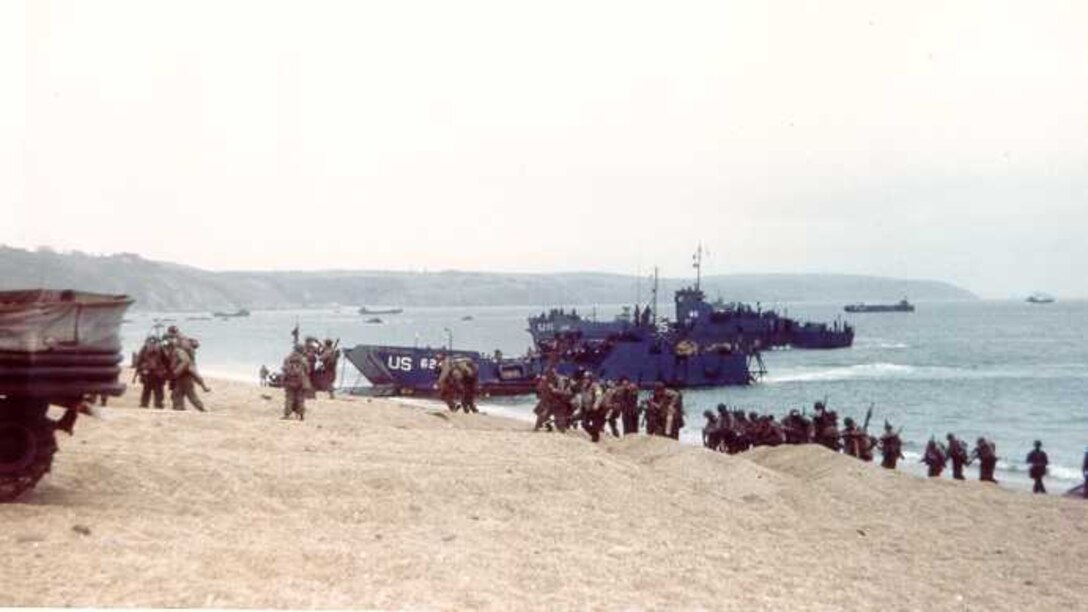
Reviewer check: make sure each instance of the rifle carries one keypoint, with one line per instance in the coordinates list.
(868, 416)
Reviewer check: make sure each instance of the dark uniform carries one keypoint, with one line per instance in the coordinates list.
(957, 454)
(296, 384)
(891, 448)
(935, 458)
(1084, 470)
(712, 438)
(1038, 461)
(627, 396)
(826, 427)
(152, 369)
(851, 438)
(986, 453)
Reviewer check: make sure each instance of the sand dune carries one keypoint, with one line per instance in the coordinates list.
(373, 504)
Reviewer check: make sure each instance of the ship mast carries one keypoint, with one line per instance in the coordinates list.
(697, 263)
(653, 291)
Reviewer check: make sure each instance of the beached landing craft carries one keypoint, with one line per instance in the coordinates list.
(646, 351)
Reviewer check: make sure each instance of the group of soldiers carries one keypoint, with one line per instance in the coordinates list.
(567, 401)
(734, 431)
(309, 367)
(169, 361)
(937, 456)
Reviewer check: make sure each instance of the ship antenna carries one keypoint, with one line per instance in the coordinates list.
(697, 263)
(654, 292)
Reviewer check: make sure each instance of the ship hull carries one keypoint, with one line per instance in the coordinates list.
(398, 370)
(879, 308)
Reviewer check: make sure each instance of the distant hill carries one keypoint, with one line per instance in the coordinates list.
(165, 286)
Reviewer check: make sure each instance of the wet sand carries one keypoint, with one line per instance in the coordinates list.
(373, 504)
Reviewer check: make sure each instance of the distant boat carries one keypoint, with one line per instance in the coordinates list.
(380, 311)
(466, 318)
(374, 320)
(901, 306)
(1040, 298)
(241, 312)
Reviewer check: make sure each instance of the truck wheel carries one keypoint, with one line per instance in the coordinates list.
(26, 447)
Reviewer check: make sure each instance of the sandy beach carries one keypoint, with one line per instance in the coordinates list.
(369, 503)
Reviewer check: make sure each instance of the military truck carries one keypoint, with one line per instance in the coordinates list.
(60, 348)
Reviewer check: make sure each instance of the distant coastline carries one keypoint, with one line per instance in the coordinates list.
(161, 286)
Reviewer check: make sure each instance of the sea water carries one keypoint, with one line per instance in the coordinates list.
(1010, 371)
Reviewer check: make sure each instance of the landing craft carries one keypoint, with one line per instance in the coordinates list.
(645, 351)
(703, 322)
(901, 306)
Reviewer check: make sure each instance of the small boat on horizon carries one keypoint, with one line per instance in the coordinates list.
(380, 311)
(901, 306)
(241, 312)
(1040, 298)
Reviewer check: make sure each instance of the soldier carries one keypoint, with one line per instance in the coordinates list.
(562, 393)
(296, 383)
(957, 453)
(711, 431)
(151, 368)
(772, 433)
(544, 401)
(891, 447)
(324, 375)
(628, 400)
(826, 425)
(613, 406)
(1038, 461)
(797, 428)
(469, 384)
(986, 453)
(592, 407)
(851, 438)
(449, 382)
(935, 458)
(727, 430)
(181, 358)
(667, 405)
(1084, 471)
(262, 374)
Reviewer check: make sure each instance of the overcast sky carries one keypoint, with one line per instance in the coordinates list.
(944, 140)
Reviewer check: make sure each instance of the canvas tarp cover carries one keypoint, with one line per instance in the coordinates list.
(43, 320)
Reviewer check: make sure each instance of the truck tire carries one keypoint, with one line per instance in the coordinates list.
(27, 445)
